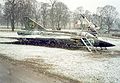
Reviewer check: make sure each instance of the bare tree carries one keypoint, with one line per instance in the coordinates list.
(109, 13)
(11, 4)
(27, 8)
(7, 13)
(52, 3)
(36, 9)
(117, 23)
(87, 14)
(16, 10)
(100, 19)
(77, 16)
(61, 15)
(44, 13)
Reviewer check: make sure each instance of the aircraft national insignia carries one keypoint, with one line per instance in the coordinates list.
(31, 25)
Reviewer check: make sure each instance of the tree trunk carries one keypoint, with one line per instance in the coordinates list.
(12, 24)
(7, 23)
(109, 27)
(12, 17)
(12, 20)
(44, 24)
(58, 25)
(17, 24)
(52, 18)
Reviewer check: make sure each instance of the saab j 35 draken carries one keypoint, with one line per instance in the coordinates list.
(36, 34)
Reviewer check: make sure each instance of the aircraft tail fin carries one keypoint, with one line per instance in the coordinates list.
(31, 25)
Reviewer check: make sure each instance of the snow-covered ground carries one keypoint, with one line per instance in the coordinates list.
(76, 64)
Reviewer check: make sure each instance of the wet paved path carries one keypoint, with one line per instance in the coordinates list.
(15, 74)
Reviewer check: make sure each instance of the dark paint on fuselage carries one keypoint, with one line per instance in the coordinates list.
(100, 43)
(61, 42)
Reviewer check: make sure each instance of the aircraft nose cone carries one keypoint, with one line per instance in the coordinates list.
(103, 44)
(108, 44)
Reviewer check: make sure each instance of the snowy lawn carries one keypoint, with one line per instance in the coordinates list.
(76, 64)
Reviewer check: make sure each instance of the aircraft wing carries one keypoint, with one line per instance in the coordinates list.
(31, 25)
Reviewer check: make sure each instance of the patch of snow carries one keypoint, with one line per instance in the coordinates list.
(75, 64)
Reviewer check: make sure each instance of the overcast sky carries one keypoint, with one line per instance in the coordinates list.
(1, 1)
(90, 5)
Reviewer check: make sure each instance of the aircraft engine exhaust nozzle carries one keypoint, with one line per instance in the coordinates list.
(100, 43)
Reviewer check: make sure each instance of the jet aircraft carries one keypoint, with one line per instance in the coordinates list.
(37, 35)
